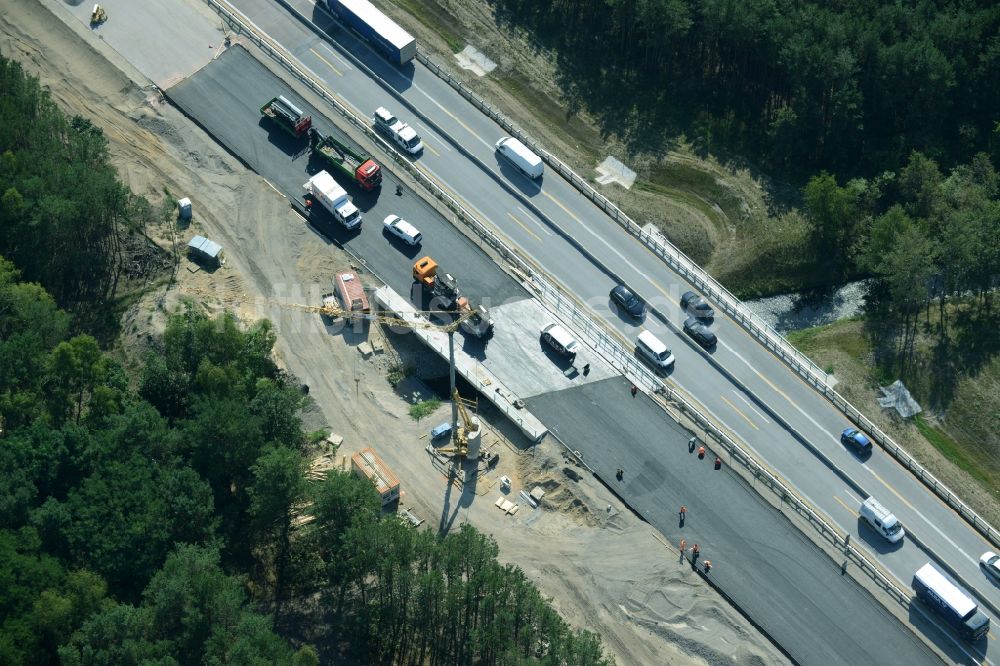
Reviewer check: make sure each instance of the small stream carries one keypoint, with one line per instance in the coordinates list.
(793, 312)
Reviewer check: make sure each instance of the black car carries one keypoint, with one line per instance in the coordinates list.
(700, 333)
(627, 300)
(694, 305)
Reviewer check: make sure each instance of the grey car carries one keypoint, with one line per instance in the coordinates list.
(700, 333)
(696, 306)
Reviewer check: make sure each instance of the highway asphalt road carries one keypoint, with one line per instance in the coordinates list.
(571, 229)
(225, 98)
(744, 387)
(760, 560)
(776, 576)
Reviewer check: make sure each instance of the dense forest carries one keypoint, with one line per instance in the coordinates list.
(927, 239)
(850, 87)
(163, 515)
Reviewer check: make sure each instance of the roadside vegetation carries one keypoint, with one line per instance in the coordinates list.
(965, 432)
(792, 147)
(778, 92)
(68, 223)
(163, 514)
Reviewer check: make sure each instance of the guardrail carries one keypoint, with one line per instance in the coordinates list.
(599, 339)
(751, 322)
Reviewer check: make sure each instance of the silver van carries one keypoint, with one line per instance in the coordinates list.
(882, 520)
(520, 156)
(653, 350)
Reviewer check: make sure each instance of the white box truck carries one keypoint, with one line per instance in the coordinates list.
(520, 156)
(324, 189)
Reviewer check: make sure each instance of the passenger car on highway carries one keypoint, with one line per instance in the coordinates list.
(627, 300)
(560, 339)
(696, 306)
(700, 333)
(990, 562)
(857, 440)
(652, 349)
(402, 230)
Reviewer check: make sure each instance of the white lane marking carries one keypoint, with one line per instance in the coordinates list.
(850, 493)
(932, 525)
(749, 404)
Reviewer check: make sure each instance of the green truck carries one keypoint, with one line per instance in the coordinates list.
(361, 168)
(287, 116)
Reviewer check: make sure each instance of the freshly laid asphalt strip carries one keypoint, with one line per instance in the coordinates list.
(778, 578)
(760, 560)
(225, 98)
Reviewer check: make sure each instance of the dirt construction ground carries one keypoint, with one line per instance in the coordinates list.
(603, 568)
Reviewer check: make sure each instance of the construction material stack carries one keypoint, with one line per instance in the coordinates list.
(367, 465)
(287, 116)
(362, 168)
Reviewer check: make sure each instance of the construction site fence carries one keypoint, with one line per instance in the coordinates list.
(567, 306)
(751, 322)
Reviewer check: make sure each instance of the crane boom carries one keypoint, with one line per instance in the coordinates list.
(332, 310)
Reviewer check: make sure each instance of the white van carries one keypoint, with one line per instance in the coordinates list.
(882, 520)
(520, 156)
(653, 350)
(560, 339)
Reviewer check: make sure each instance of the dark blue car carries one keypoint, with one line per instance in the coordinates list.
(857, 440)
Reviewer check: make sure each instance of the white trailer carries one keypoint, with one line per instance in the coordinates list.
(323, 188)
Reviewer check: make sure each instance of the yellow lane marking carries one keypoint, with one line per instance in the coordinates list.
(328, 63)
(736, 409)
(560, 204)
(459, 121)
(769, 383)
(428, 147)
(894, 492)
(663, 291)
(841, 502)
(524, 226)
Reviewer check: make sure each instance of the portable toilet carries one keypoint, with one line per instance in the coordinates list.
(184, 208)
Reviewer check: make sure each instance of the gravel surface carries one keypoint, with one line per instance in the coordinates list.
(792, 312)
